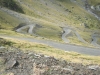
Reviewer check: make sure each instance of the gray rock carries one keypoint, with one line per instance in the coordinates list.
(2, 49)
(11, 63)
(93, 67)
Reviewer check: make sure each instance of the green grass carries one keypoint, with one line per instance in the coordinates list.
(98, 41)
(74, 40)
(49, 31)
(86, 36)
(13, 33)
(9, 32)
(7, 21)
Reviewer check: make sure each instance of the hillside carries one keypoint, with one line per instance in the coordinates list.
(54, 37)
(50, 17)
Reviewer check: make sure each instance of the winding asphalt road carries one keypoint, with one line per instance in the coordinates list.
(66, 47)
(64, 35)
(68, 31)
(95, 39)
(30, 30)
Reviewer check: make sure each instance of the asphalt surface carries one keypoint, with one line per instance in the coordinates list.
(30, 30)
(66, 32)
(66, 47)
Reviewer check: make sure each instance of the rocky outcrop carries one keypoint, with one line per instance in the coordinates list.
(95, 8)
(17, 62)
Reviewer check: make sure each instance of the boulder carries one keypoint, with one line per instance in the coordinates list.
(10, 74)
(11, 63)
(93, 67)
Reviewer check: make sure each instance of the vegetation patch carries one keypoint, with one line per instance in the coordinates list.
(11, 4)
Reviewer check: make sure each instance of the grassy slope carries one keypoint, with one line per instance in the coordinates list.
(7, 21)
(52, 15)
(77, 17)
